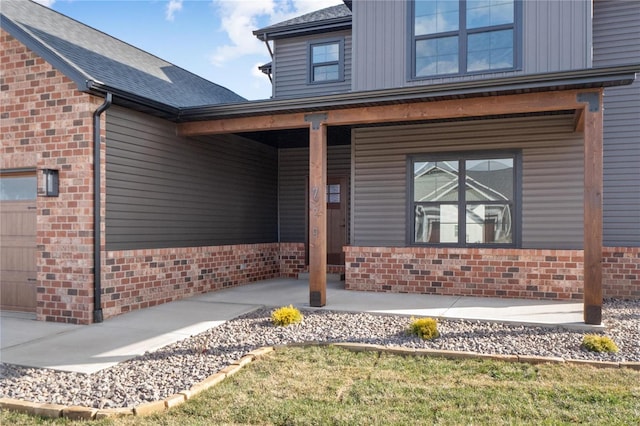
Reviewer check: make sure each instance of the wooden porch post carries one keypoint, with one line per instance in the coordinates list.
(593, 187)
(317, 209)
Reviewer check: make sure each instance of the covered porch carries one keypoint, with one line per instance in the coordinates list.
(575, 93)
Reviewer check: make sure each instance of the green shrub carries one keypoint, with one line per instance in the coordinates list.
(596, 343)
(286, 315)
(424, 328)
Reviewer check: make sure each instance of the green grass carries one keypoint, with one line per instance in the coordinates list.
(329, 385)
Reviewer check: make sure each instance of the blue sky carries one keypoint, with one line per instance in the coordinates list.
(211, 38)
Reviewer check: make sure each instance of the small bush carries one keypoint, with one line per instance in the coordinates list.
(285, 316)
(596, 343)
(424, 328)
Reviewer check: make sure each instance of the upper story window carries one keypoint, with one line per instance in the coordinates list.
(463, 36)
(326, 61)
(465, 200)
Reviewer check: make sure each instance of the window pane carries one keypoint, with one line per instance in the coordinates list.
(325, 72)
(435, 181)
(489, 180)
(325, 53)
(435, 16)
(487, 224)
(490, 50)
(437, 56)
(486, 13)
(13, 188)
(436, 224)
(333, 193)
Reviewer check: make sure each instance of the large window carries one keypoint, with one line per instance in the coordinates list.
(464, 200)
(326, 61)
(463, 36)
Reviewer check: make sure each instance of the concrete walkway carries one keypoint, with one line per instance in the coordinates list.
(88, 349)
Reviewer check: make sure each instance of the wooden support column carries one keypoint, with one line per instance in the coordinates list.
(593, 187)
(317, 209)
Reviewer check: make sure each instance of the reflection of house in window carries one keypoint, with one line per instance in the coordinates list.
(486, 201)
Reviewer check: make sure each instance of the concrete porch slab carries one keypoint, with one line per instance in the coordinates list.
(91, 348)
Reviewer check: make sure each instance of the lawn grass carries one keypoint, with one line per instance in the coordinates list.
(330, 385)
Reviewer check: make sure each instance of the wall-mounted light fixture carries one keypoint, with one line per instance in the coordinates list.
(51, 182)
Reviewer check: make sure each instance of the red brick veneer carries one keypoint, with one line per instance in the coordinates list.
(45, 122)
(136, 279)
(292, 259)
(532, 274)
(521, 273)
(621, 272)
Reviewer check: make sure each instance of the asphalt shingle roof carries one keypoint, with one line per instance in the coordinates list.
(95, 56)
(317, 17)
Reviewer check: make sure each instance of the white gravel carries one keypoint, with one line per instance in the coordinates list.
(177, 367)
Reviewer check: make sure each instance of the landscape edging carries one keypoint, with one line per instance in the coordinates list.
(148, 408)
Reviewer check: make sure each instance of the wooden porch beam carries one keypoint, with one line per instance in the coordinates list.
(243, 124)
(593, 187)
(453, 108)
(578, 120)
(317, 210)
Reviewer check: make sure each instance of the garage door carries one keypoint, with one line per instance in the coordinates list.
(18, 241)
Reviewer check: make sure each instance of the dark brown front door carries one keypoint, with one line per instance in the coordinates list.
(336, 219)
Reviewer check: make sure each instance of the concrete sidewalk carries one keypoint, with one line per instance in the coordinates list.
(91, 348)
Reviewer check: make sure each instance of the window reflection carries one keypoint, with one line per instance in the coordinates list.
(483, 208)
(436, 224)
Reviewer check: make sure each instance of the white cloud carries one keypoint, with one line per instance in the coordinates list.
(172, 7)
(47, 3)
(239, 18)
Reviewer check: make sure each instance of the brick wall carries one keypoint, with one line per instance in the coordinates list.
(47, 123)
(533, 274)
(292, 259)
(621, 272)
(136, 279)
(521, 273)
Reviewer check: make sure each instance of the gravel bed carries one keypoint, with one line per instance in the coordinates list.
(177, 367)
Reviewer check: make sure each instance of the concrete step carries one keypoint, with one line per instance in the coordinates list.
(330, 277)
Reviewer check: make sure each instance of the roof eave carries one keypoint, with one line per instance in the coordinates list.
(333, 24)
(587, 78)
(133, 101)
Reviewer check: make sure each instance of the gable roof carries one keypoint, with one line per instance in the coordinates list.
(98, 62)
(330, 18)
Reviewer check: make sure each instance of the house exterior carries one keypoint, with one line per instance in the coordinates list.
(455, 148)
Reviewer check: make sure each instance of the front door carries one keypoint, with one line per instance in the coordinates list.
(336, 219)
(18, 241)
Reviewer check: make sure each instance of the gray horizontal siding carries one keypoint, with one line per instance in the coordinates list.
(293, 172)
(556, 36)
(616, 41)
(552, 175)
(290, 67)
(166, 191)
(293, 169)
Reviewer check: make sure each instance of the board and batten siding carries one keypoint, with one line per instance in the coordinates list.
(616, 41)
(292, 183)
(552, 175)
(166, 191)
(290, 67)
(556, 36)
